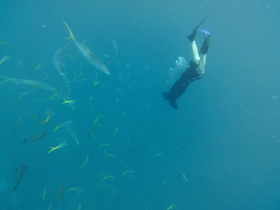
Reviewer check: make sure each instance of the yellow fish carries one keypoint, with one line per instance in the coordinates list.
(57, 147)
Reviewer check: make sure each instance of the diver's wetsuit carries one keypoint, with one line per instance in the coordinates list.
(195, 69)
(180, 86)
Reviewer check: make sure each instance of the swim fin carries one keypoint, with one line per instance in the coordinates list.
(193, 32)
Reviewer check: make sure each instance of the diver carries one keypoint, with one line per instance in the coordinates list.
(194, 71)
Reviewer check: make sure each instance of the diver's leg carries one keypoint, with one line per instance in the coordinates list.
(195, 53)
(203, 51)
(205, 45)
(201, 64)
(191, 38)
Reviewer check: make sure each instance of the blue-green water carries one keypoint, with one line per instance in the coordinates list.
(224, 139)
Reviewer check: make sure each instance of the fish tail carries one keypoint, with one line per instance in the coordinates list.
(50, 207)
(25, 140)
(65, 101)
(71, 36)
(51, 150)
(6, 79)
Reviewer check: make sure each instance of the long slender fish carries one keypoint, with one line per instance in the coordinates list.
(66, 86)
(58, 196)
(63, 124)
(57, 61)
(49, 115)
(57, 147)
(5, 58)
(115, 46)
(31, 83)
(70, 130)
(20, 172)
(85, 163)
(88, 55)
(37, 137)
(17, 124)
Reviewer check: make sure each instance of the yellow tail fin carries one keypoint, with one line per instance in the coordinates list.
(51, 150)
(56, 127)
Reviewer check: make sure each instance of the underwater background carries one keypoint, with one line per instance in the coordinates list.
(121, 145)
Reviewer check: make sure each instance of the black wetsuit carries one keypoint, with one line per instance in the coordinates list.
(180, 86)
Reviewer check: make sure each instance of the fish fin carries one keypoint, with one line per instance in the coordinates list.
(6, 79)
(25, 140)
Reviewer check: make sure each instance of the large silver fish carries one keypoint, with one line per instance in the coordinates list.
(32, 83)
(57, 61)
(88, 55)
